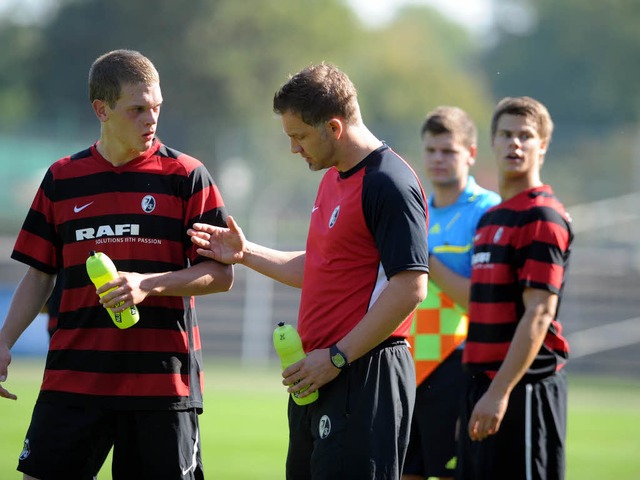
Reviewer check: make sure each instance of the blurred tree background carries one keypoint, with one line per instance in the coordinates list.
(221, 61)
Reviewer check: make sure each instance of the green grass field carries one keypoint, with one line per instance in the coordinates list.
(244, 431)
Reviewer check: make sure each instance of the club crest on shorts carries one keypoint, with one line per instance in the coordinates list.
(324, 428)
(26, 450)
(148, 204)
(334, 217)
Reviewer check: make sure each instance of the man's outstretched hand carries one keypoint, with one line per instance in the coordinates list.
(225, 245)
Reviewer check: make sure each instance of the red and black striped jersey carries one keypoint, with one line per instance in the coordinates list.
(523, 242)
(138, 214)
(367, 224)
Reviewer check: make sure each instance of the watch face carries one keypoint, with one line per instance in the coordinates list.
(338, 360)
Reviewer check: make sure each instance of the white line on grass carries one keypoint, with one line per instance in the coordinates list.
(604, 337)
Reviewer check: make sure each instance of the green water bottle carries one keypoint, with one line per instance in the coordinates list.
(102, 270)
(289, 347)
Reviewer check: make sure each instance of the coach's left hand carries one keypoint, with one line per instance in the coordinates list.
(314, 371)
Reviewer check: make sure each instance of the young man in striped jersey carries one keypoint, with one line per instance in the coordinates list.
(133, 198)
(449, 139)
(514, 418)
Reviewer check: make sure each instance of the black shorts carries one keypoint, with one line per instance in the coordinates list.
(72, 443)
(530, 442)
(358, 429)
(432, 446)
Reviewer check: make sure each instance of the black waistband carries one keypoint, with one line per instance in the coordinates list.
(390, 342)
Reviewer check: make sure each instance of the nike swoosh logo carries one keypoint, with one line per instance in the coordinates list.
(314, 209)
(194, 457)
(187, 470)
(79, 209)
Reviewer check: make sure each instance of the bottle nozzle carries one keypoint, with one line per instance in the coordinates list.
(281, 324)
(92, 253)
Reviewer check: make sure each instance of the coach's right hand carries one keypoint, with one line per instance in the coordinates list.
(225, 245)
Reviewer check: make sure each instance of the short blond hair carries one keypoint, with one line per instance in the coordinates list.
(113, 69)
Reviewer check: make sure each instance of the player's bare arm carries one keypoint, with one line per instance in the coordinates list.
(401, 297)
(451, 283)
(201, 279)
(30, 295)
(229, 245)
(540, 308)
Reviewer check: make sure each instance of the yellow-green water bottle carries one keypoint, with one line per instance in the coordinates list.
(288, 344)
(102, 270)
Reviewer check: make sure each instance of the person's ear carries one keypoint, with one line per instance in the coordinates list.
(473, 151)
(100, 109)
(542, 151)
(335, 127)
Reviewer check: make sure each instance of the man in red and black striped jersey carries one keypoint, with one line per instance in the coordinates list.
(362, 274)
(133, 198)
(516, 402)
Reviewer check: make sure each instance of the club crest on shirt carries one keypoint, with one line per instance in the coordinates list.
(148, 204)
(324, 428)
(334, 217)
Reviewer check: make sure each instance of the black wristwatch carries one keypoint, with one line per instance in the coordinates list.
(338, 358)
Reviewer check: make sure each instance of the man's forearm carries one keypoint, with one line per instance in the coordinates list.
(284, 267)
(403, 294)
(526, 344)
(455, 286)
(201, 279)
(27, 302)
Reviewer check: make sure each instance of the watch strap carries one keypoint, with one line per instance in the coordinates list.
(338, 357)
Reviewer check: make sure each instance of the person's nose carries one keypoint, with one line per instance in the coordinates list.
(152, 116)
(435, 157)
(295, 147)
